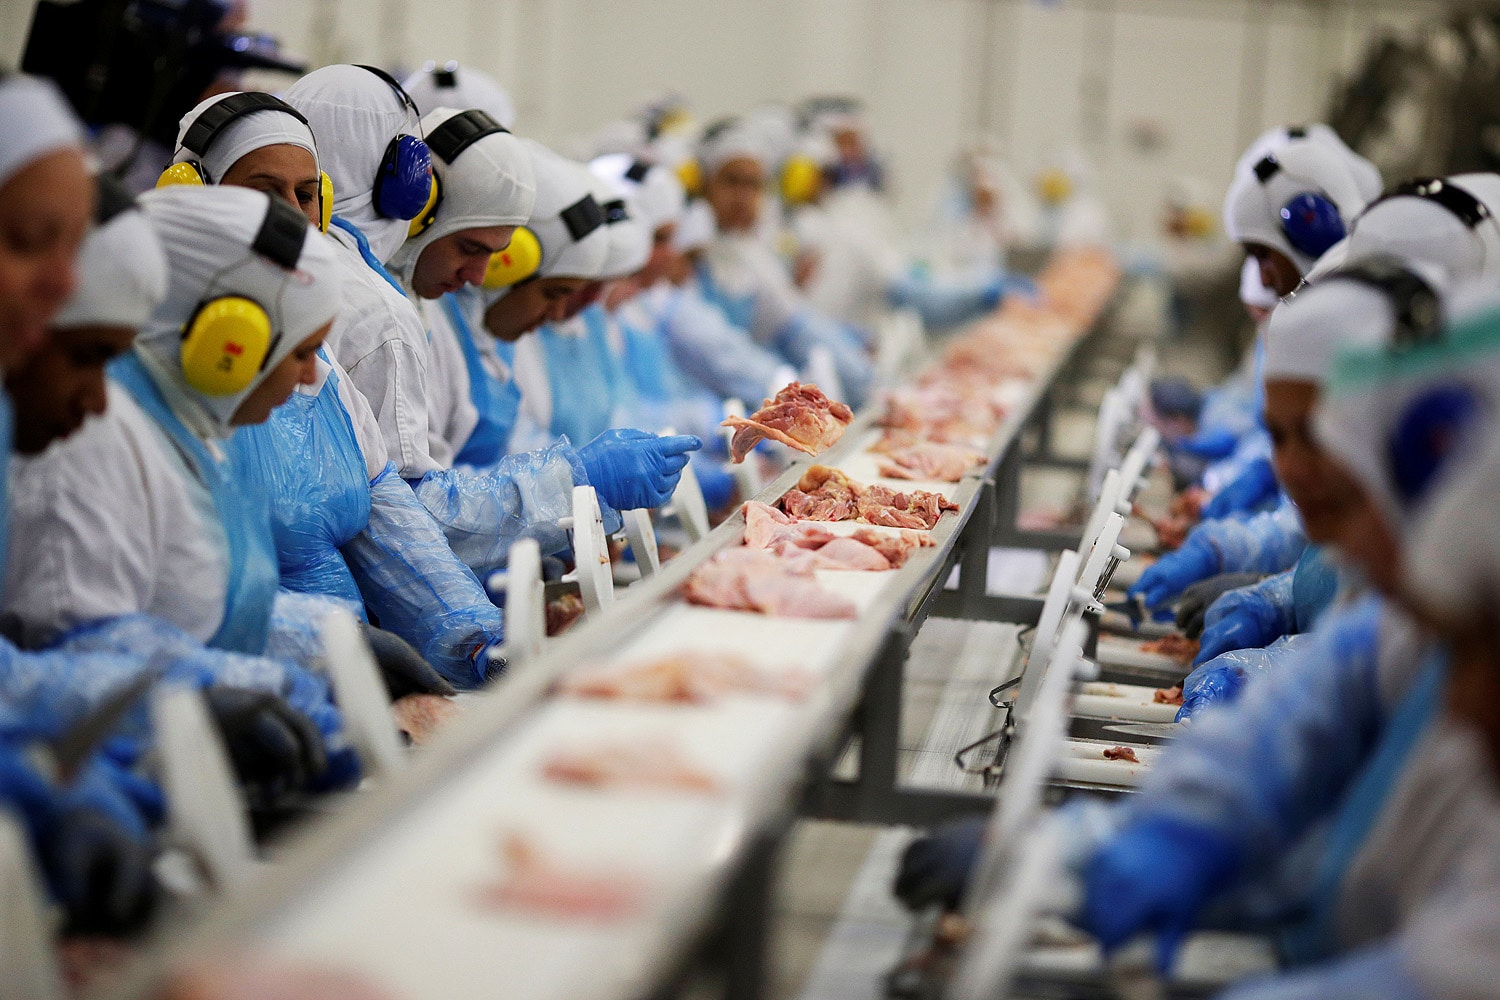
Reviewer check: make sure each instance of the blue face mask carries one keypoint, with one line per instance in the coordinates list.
(243, 513)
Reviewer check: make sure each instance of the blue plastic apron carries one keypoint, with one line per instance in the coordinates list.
(369, 255)
(498, 403)
(1315, 936)
(243, 514)
(740, 309)
(582, 394)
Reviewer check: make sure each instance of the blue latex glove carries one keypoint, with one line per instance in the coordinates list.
(1155, 875)
(635, 469)
(1253, 488)
(99, 849)
(1209, 443)
(1164, 579)
(1216, 682)
(936, 868)
(1246, 627)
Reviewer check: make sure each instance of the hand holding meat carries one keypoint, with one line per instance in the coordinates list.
(799, 417)
(635, 469)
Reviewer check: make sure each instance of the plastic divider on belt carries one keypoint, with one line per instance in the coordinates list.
(362, 696)
(28, 967)
(525, 601)
(642, 538)
(1133, 468)
(1106, 454)
(1059, 593)
(591, 551)
(1107, 503)
(1106, 554)
(207, 818)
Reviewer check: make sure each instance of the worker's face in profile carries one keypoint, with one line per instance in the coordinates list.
(734, 193)
(1277, 272)
(45, 210)
(458, 259)
(282, 171)
(1362, 534)
(63, 383)
(530, 304)
(298, 368)
(1313, 481)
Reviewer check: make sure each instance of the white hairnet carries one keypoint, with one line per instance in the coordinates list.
(1252, 207)
(656, 191)
(630, 236)
(1253, 291)
(122, 275)
(454, 86)
(1366, 175)
(35, 120)
(560, 184)
(355, 114)
(735, 139)
(697, 228)
(1419, 229)
(207, 234)
(490, 183)
(245, 134)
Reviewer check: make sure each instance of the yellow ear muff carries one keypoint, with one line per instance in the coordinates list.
(1054, 186)
(801, 180)
(325, 201)
(180, 173)
(225, 344)
(428, 215)
(1198, 222)
(691, 175)
(516, 262)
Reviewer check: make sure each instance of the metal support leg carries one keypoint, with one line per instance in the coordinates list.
(747, 931)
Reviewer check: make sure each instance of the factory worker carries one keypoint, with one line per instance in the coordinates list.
(842, 120)
(1345, 735)
(346, 525)
(486, 505)
(985, 210)
(1448, 223)
(858, 264)
(744, 277)
(450, 85)
(1073, 215)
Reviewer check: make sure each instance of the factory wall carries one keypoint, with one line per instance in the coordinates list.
(1145, 90)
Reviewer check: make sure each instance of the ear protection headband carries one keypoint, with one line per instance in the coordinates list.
(1432, 424)
(1464, 206)
(229, 338)
(1310, 221)
(801, 180)
(404, 184)
(449, 139)
(211, 124)
(519, 261)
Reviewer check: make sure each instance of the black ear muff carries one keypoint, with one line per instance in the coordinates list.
(1418, 310)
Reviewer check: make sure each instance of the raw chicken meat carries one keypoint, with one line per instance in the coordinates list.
(563, 612)
(746, 579)
(651, 764)
(1168, 696)
(867, 550)
(536, 884)
(420, 716)
(1178, 647)
(693, 678)
(768, 528)
(800, 417)
(1121, 753)
(930, 460)
(896, 546)
(825, 494)
(850, 554)
(260, 977)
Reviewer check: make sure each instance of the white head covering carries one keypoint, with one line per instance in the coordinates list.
(122, 271)
(560, 184)
(630, 237)
(207, 233)
(452, 86)
(1366, 174)
(245, 134)
(697, 228)
(490, 183)
(1252, 207)
(36, 120)
(1253, 291)
(656, 191)
(1416, 228)
(733, 139)
(355, 115)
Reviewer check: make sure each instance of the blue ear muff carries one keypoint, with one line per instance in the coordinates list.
(404, 181)
(1427, 434)
(1312, 223)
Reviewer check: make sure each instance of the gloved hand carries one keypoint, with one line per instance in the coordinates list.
(936, 868)
(98, 849)
(1247, 626)
(401, 666)
(1252, 488)
(490, 662)
(1164, 579)
(1209, 443)
(1196, 599)
(276, 750)
(1213, 683)
(1155, 875)
(634, 469)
